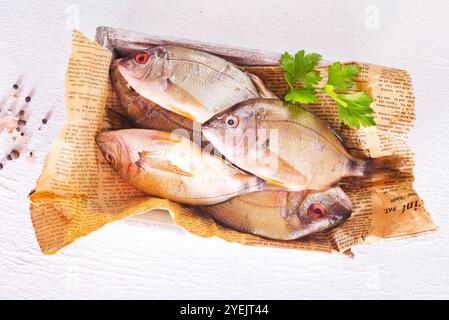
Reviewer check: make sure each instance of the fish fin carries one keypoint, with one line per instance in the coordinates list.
(147, 158)
(180, 97)
(181, 112)
(335, 133)
(387, 163)
(165, 136)
(298, 176)
(261, 87)
(239, 170)
(274, 185)
(287, 176)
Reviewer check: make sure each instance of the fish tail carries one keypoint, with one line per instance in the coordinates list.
(387, 163)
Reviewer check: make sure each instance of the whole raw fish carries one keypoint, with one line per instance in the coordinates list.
(192, 83)
(286, 145)
(173, 167)
(283, 215)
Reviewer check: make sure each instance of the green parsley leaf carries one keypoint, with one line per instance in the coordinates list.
(301, 95)
(356, 110)
(300, 69)
(305, 72)
(287, 62)
(342, 77)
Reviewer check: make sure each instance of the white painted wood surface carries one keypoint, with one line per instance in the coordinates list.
(128, 260)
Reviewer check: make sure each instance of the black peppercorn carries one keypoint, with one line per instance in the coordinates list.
(15, 154)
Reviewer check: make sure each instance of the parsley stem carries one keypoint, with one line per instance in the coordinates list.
(330, 91)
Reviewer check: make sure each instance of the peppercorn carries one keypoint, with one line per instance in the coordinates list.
(15, 154)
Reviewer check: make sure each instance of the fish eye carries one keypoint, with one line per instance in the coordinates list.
(316, 211)
(109, 158)
(232, 121)
(130, 88)
(141, 58)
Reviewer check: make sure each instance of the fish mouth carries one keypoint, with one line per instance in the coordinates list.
(309, 230)
(115, 63)
(117, 77)
(209, 123)
(102, 139)
(342, 210)
(213, 123)
(124, 62)
(205, 126)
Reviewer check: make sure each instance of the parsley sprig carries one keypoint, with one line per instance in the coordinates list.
(353, 108)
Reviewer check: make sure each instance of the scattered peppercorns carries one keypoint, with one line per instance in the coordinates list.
(15, 122)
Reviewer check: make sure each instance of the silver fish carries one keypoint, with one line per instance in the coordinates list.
(286, 145)
(283, 215)
(173, 167)
(191, 83)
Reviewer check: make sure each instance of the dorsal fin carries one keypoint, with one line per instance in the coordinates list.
(335, 133)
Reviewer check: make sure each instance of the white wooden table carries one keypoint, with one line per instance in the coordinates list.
(125, 260)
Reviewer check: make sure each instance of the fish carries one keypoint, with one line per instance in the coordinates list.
(287, 146)
(144, 113)
(283, 215)
(192, 83)
(173, 167)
